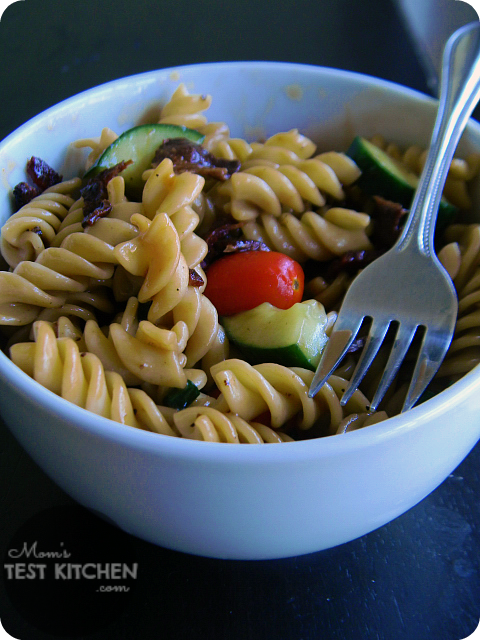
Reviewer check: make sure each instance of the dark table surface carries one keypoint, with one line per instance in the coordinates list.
(416, 578)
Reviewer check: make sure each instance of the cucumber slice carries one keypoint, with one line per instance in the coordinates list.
(139, 145)
(384, 176)
(181, 398)
(292, 337)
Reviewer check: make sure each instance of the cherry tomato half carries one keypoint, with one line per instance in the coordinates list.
(242, 281)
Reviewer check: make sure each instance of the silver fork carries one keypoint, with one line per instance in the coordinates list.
(407, 286)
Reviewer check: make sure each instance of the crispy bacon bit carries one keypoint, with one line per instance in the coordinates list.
(228, 239)
(245, 245)
(189, 156)
(351, 261)
(101, 211)
(219, 238)
(194, 278)
(388, 217)
(95, 195)
(42, 175)
(23, 193)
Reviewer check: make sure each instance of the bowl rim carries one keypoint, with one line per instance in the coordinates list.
(280, 66)
(141, 440)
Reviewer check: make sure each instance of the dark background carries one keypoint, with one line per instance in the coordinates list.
(417, 578)
(51, 49)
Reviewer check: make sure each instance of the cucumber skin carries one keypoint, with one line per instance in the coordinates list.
(291, 356)
(375, 180)
(114, 154)
(181, 398)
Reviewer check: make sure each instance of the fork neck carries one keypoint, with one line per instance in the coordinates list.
(459, 94)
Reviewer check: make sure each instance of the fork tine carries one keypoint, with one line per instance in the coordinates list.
(337, 346)
(374, 339)
(431, 355)
(400, 347)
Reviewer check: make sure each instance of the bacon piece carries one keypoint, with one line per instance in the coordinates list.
(194, 278)
(219, 238)
(42, 175)
(351, 262)
(189, 156)
(95, 194)
(245, 245)
(101, 210)
(23, 193)
(388, 217)
(228, 239)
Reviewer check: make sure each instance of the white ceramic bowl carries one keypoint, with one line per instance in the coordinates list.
(224, 500)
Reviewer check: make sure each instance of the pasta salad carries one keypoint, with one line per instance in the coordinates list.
(188, 281)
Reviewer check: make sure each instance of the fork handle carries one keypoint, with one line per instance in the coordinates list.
(459, 94)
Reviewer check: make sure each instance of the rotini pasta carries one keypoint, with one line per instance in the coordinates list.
(167, 192)
(35, 225)
(111, 311)
(249, 391)
(57, 275)
(69, 267)
(79, 377)
(210, 425)
(292, 184)
(461, 259)
(156, 255)
(97, 145)
(313, 236)
(185, 109)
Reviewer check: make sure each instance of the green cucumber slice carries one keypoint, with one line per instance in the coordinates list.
(384, 176)
(139, 145)
(181, 398)
(292, 337)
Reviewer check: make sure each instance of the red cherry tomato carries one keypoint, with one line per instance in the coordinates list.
(242, 281)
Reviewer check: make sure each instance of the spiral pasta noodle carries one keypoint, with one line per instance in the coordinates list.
(313, 236)
(461, 259)
(55, 277)
(35, 225)
(251, 390)
(330, 294)
(80, 378)
(167, 192)
(185, 109)
(71, 274)
(164, 253)
(288, 186)
(97, 145)
(210, 425)
(155, 255)
(228, 148)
